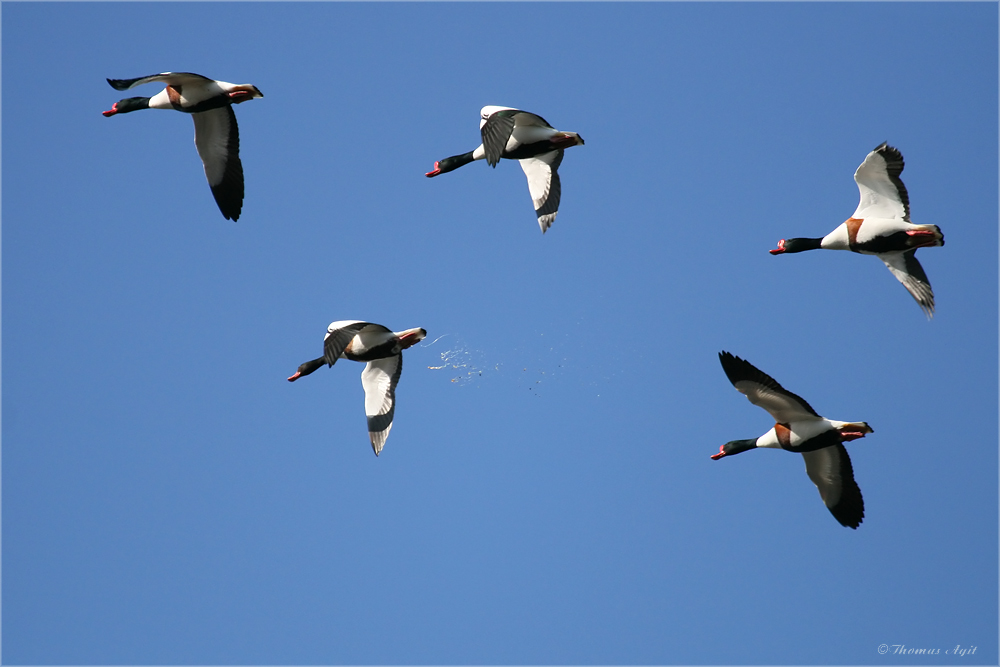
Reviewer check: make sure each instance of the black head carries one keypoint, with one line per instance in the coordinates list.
(450, 164)
(307, 368)
(796, 245)
(735, 447)
(127, 105)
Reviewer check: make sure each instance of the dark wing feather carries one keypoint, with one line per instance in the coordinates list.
(894, 167)
(907, 269)
(217, 137)
(169, 78)
(547, 213)
(831, 471)
(496, 132)
(336, 341)
(764, 391)
(229, 194)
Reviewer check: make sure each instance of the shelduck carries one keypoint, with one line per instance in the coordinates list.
(526, 137)
(382, 349)
(799, 428)
(881, 226)
(215, 132)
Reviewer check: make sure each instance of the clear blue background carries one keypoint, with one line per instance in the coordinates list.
(547, 496)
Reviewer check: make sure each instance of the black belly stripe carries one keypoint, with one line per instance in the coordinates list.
(378, 352)
(529, 150)
(891, 243)
(821, 441)
(216, 102)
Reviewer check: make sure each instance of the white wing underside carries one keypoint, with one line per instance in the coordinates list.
(211, 138)
(544, 185)
(823, 467)
(379, 380)
(879, 196)
(783, 408)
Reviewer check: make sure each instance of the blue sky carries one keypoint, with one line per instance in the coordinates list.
(547, 497)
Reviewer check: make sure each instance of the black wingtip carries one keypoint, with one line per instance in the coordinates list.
(736, 369)
(890, 153)
(850, 511)
(229, 206)
(741, 370)
(229, 193)
(118, 84)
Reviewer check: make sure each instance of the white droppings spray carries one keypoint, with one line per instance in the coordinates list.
(535, 364)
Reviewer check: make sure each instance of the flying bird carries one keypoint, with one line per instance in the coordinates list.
(215, 132)
(528, 138)
(800, 429)
(382, 349)
(881, 226)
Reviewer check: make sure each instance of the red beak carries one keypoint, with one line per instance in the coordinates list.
(112, 111)
(780, 249)
(295, 377)
(432, 174)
